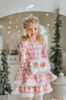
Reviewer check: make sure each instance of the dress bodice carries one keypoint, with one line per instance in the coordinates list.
(34, 49)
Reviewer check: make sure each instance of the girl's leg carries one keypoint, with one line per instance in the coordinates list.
(29, 98)
(39, 97)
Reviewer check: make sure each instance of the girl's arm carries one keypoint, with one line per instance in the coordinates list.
(22, 50)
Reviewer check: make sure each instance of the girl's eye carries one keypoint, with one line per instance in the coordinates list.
(29, 29)
(35, 28)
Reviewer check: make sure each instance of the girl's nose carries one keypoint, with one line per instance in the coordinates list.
(33, 31)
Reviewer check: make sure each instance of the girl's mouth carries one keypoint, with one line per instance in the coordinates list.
(32, 34)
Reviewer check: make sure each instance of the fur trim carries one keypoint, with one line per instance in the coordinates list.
(15, 92)
(39, 94)
(27, 95)
(35, 84)
(48, 91)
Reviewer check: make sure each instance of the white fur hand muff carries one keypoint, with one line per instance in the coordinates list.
(39, 65)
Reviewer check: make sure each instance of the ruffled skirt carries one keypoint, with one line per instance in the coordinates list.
(29, 85)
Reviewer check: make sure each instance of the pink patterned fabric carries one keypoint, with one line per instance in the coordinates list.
(24, 81)
(58, 99)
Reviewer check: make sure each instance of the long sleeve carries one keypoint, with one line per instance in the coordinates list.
(45, 53)
(22, 50)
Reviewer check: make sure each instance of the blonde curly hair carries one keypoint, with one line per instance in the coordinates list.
(25, 22)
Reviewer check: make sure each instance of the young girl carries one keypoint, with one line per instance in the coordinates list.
(32, 46)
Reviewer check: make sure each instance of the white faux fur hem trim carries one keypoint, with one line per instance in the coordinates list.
(27, 95)
(38, 94)
(48, 91)
(22, 95)
(14, 92)
(35, 84)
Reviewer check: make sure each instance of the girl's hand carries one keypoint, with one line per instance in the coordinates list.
(36, 64)
(42, 64)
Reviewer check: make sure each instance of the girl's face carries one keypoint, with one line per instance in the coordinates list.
(32, 30)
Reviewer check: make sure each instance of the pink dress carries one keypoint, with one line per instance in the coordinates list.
(26, 84)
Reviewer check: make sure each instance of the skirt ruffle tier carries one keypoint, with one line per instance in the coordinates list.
(30, 85)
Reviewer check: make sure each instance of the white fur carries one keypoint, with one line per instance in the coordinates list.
(41, 29)
(15, 92)
(27, 95)
(36, 83)
(39, 70)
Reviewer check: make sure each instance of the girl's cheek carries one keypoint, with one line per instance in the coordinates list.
(37, 31)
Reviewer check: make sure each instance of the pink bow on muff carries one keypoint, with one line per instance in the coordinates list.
(58, 99)
(36, 64)
(42, 64)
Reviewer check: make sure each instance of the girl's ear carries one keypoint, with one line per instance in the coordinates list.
(41, 29)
